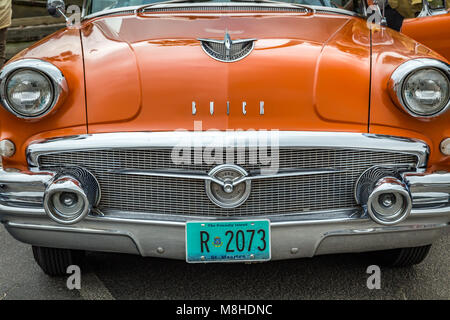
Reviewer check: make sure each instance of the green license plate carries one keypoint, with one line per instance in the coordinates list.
(228, 241)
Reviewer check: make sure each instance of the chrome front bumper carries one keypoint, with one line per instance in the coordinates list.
(305, 235)
(297, 235)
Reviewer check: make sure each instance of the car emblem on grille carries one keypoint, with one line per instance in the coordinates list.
(228, 50)
(225, 187)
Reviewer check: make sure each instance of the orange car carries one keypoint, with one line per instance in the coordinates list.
(225, 132)
(431, 27)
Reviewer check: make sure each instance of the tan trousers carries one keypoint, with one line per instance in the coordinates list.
(2, 46)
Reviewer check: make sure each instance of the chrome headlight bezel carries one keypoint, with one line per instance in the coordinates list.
(404, 71)
(44, 68)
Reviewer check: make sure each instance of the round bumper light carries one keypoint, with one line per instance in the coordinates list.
(57, 206)
(71, 196)
(389, 202)
(445, 146)
(7, 148)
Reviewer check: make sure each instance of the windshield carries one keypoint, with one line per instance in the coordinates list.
(100, 5)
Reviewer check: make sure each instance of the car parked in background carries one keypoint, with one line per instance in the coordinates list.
(431, 27)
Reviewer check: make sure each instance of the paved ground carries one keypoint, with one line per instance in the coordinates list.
(117, 276)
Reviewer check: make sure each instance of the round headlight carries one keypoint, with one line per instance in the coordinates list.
(421, 87)
(29, 93)
(426, 91)
(31, 88)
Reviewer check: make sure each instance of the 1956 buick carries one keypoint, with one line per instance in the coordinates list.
(225, 132)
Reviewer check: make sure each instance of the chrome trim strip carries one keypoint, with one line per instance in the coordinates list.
(23, 192)
(162, 223)
(431, 198)
(168, 174)
(298, 139)
(127, 9)
(63, 228)
(387, 229)
(31, 179)
(227, 38)
(434, 182)
(265, 3)
(84, 8)
(429, 190)
(49, 70)
(321, 9)
(294, 218)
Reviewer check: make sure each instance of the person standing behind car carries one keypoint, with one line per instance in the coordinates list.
(407, 8)
(398, 10)
(5, 22)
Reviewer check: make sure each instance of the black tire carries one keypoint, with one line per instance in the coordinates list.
(54, 262)
(403, 257)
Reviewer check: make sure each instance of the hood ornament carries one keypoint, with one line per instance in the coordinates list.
(227, 50)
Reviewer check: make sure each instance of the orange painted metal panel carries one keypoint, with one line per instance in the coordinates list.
(299, 64)
(142, 74)
(432, 31)
(63, 49)
(390, 49)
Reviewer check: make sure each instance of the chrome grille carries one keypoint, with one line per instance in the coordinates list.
(181, 196)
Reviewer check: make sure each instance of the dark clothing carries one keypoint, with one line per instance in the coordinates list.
(393, 18)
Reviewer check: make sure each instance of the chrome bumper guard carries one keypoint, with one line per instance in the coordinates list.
(303, 235)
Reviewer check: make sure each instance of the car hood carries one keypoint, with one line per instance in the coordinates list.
(311, 72)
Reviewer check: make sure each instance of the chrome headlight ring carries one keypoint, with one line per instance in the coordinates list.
(404, 71)
(46, 69)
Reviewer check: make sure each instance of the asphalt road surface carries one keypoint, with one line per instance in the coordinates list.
(120, 276)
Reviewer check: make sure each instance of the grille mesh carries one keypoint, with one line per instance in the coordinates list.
(274, 196)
